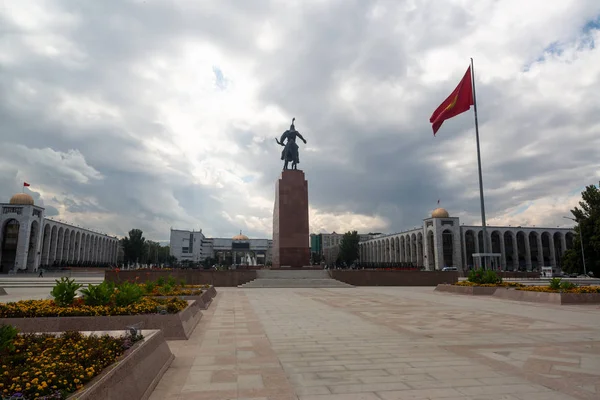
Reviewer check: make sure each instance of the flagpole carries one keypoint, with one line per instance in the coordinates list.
(483, 223)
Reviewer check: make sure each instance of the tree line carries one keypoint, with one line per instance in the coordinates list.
(137, 249)
(587, 216)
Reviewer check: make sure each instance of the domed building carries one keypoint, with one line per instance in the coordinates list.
(21, 199)
(29, 240)
(194, 246)
(240, 237)
(440, 213)
(442, 242)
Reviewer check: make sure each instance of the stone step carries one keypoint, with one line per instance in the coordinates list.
(43, 282)
(292, 274)
(294, 283)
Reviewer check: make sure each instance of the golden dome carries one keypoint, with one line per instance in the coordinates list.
(440, 213)
(240, 237)
(22, 199)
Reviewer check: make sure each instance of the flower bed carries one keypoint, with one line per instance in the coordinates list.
(478, 283)
(544, 296)
(162, 287)
(178, 326)
(204, 299)
(134, 375)
(48, 366)
(196, 290)
(557, 292)
(501, 284)
(103, 307)
(49, 308)
(547, 289)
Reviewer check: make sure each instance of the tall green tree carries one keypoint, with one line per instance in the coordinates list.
(156, 253)
(588, 228)
(135, 247)
(349, 250)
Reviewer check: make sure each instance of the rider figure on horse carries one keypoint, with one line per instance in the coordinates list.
(290, 149)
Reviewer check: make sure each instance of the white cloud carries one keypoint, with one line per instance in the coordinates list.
(66, 166)
(156, 114)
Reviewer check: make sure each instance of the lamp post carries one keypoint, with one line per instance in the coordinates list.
(581, 242)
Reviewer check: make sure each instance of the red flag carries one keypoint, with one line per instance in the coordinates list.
(459, 101)
(25, 184)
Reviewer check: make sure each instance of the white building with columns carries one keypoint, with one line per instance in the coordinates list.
(28, 239)
(443, 242)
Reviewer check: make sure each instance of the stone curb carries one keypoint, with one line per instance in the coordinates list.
(133, 377)
(467, 290)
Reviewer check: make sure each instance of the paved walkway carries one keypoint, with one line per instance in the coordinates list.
(384, 344)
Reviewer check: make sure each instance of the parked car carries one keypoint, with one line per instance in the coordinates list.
(449, 269)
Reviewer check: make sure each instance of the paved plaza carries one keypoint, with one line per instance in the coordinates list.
(384, 344)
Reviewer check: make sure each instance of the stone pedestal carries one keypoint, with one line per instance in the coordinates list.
(290, 221)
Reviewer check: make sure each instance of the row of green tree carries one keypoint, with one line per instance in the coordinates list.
(587, 216)
(137, 249)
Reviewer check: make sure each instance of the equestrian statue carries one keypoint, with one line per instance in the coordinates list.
(290, 148)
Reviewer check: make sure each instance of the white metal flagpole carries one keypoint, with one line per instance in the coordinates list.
(483, 223)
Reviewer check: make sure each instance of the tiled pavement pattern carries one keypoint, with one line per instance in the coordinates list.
(385, 344)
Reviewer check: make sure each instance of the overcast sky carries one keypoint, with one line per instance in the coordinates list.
(156, 114)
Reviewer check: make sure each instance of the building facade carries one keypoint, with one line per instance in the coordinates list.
(443, 242)
(327, 245)
(193, 246)
(29, 240)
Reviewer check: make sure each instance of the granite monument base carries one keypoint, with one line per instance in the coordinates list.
(290, 221)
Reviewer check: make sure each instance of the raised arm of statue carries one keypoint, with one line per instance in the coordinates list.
(301, 137)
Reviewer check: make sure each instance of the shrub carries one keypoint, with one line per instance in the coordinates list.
(555, 283)
(128, 294)
(559, 284)
(165, 290)
(149, 286)
(491, 277)
(64, 291)
(98, 295)
(160, 281)
(480, 276)
(566, 285)
(171, 281)
(8, 333)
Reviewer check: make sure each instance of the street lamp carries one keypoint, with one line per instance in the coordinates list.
(581, 241)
